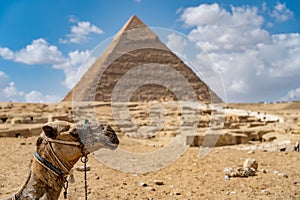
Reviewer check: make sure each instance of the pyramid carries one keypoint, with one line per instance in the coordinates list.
(136, 46)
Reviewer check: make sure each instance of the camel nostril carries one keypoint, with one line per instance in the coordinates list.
(115, 141)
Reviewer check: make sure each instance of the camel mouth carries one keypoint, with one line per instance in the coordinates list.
(111, 146)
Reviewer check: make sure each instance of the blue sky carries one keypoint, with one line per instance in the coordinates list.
(254, 44)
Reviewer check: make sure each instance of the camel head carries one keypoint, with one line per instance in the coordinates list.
(95, 136)
(71, 141)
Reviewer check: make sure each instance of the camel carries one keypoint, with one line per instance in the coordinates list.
(60, 145)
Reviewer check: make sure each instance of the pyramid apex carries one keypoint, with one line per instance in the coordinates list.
(135, 18)
(137, 28)
(132, 23)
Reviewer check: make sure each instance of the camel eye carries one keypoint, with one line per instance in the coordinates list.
(66, 128)
(74, 133)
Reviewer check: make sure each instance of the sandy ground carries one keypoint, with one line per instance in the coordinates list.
(187, 178)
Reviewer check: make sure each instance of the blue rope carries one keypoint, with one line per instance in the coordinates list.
(48, 164)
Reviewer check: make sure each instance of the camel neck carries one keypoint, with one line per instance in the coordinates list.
(40, 184)
(54, 159)
(48, 165)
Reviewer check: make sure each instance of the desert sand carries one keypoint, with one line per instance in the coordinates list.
(189, 177)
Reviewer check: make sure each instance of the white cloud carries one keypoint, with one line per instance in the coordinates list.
(179, 10)
(281, 56)
(292, 95)
(3, 78)
(72, 65)
(73, 19)
(264, 6)
(73, 70)
(202, 15)
(207, 15)
(6, 53)
(281, 13)
(218, 29)
(11, 92)
(238, 86)
(35, 96)
(7, 90)
(255, 64)
(176, 43)
(38, 52)
(79, 33)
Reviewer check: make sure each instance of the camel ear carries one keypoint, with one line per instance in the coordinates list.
(39, 141)
(49, 131)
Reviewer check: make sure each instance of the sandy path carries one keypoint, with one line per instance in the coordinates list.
(187, 178)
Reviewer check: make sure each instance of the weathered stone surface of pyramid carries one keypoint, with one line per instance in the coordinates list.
(134, 46)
